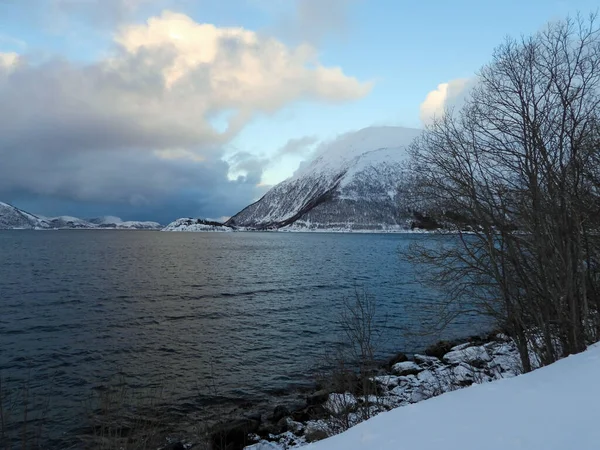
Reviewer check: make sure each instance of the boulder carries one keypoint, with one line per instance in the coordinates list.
(400, 357)
(426, 360)
(315, 431)
(315, 435)
(268, 428)
(439, 349)
(311, 412)
(317, 398)
(475, 356)
(295, 427)
(406, 368)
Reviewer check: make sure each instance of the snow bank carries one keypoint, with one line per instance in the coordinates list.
(554, 408)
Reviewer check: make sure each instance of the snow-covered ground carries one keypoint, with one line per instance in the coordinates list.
(553, 408)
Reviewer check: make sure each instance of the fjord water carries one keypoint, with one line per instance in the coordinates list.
(249, 314)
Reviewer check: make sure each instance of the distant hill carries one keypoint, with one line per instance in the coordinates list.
(13, 218)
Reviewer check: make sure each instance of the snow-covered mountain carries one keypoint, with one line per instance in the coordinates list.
(117, 223)
(195, 225)
(14, 218)
(351, 184)
(105, 220)
(68, 222)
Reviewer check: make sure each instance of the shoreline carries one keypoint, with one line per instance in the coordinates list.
(402, 380)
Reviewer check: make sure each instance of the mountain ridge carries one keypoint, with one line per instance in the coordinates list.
(13, 218)
(351, 183)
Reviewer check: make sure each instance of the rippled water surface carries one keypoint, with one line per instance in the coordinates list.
(249, 314)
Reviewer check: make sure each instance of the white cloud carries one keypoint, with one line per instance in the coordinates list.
(8, 60)
(141, 122)
(308, 20)
(447, 95)
(237, 68)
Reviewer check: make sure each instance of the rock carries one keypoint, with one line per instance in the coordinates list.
(426, 360)
(400, 357)
(439, 349)
(233, 435)
(406, 368)
(387, 381)
(264, 446)
(317, 398)
(295, 427)
(461, 346)
(315, 435)
(268, 428)
(315, 431)
(279, 413)
(475, 356)
(340, 403)
(309, 413)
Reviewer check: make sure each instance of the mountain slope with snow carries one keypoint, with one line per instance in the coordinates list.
(68, 222)
(112, 222)
(553, 408)
(196, 225)
(14, 218)
(350, 184)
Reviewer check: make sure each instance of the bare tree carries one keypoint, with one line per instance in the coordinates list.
(350, 379)
(515, 176)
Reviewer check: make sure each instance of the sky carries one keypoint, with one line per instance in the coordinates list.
(159, 109)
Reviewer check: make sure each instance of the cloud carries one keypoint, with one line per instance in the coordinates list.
(252, 165)
(309, 20)
(137, 127)
(8, 59)
(447, 96)
(102, 12)
(298, 147)
(317, 19)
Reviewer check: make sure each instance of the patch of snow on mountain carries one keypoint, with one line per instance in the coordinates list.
(113, 222)
(69, 222)
(106, 220)
(359, 149)
(137, 225)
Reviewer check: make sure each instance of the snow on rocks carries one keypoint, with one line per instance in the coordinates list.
(406, 368)
(553, 408)
(426, 360)
(338, 403)
(410, 382)
(472, 355)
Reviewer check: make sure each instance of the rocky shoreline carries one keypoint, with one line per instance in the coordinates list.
(404, 380)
